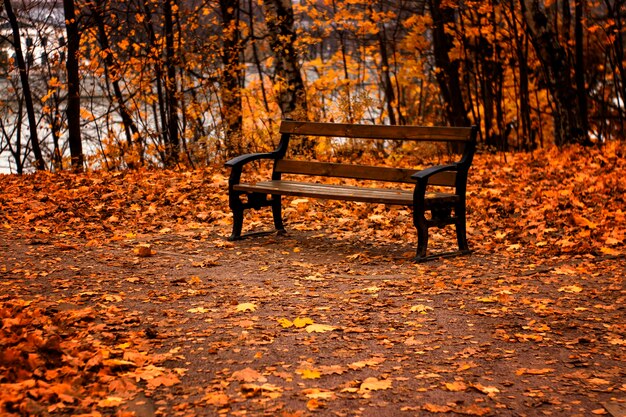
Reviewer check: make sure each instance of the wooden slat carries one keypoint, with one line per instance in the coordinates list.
(327, 169)
(364, 172)
(446, 178)
(341, 192)
(344, 130)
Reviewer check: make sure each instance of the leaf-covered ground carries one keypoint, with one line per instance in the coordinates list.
(120, 296)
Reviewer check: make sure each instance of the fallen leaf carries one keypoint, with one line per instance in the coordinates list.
(216, 398)
(313, 404)
(144, 250)
(474, 410)
(583, 221)
(532, 371)
(456, 386)
(319, 328)
(302, 322)
(332, 369)
(435, 408)
(110, 402)
(571, 289)
(485, 389)
(244, 307)
(422, 309)
(309, 373)
(285, 323)
(319, 394)
(374, 384)
(368, 362)
(198, 310)
(248, 375)
(598, 381)
(610, 251)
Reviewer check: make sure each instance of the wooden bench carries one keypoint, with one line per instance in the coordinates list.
(431, 208)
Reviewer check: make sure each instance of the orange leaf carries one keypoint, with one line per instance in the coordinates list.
(531, 371)
(248, 375)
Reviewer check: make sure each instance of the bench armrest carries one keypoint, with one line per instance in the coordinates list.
(423, 175)
(241, 160)
(238, 162)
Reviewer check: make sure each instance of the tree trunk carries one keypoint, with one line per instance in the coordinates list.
(73, 86)
(569, 123)
(448, 71)
(282, 35)
(28, 97)
(581, 88)
(390, 96)
(256, 59)
(111, 69)
(158, 107)
(171, 87)
(231, 77)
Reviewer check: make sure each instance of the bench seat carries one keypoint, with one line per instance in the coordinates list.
(343, 192)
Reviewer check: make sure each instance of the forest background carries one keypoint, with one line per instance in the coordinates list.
(121, 84)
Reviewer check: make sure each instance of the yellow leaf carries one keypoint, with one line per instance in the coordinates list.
(609, 251)
(302, 322)
(110, 402)
(117, 362)
(422, 309)
(243, 307)
(487, 299)
(436, 408)
(216, 398)
(368, 362)
(374, 384)
(248, 375)
(319, 394)
(195, 280)
(198, 310)
(598, 381)
(531, 371)
(456, 386)
(571, 289)
(285, 323)
(485, 389)
(319, 328)
(309, 373)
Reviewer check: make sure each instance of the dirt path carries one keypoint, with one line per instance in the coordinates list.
(307, 324)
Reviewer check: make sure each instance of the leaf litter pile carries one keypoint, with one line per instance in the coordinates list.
(121, 297)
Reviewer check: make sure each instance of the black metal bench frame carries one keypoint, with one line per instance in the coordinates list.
(445, 208)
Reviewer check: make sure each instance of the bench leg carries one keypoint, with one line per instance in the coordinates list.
(422, 241)
(461, 231)
(419, 221)
(277, 213)
(237, 208)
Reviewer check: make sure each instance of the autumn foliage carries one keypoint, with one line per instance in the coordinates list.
(555, 201)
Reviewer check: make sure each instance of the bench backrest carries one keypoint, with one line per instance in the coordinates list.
(344, 130)
(375, 173)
